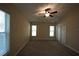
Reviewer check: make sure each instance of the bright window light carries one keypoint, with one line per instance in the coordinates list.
(51, 33)
(34, 30)
(2, 21)
(4, 32)
(47, 14)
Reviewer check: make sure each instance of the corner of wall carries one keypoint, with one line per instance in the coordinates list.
(71, 48)
(24, 44)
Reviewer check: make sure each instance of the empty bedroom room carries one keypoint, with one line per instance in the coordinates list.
(39, 29)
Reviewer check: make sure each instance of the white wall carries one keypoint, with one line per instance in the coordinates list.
(70, 23)
(19, 28)
(43, 31)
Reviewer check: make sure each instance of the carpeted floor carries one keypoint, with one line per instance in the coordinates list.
(45, 48)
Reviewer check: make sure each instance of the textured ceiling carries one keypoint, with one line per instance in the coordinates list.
(30, 11)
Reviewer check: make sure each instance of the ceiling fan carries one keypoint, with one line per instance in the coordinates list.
(49, 13)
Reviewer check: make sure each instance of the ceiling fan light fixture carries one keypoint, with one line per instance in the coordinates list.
(47, 14)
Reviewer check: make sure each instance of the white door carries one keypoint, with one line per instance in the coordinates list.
(58, 32)
(63, 33)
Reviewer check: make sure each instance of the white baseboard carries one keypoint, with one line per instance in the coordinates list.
(21, 48)
(43, 38)
(72, 48)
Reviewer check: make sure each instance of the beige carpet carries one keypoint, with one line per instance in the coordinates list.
(45, 48)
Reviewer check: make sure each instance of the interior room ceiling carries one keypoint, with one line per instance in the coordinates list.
(32, 11)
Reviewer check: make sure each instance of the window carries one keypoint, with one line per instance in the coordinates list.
(34, 30)
(51, 32)
(2, 21)
(4, 32)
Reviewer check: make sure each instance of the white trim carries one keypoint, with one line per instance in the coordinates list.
(72, 48)
(50, 38)
(20, 48)
(45, 38)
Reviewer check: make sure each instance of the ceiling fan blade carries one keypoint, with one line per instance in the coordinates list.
(51, 15)
(47, 9)
(53, 12)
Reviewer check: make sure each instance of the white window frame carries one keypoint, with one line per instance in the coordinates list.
(51, 31)
(34, 30)
(4, 48)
